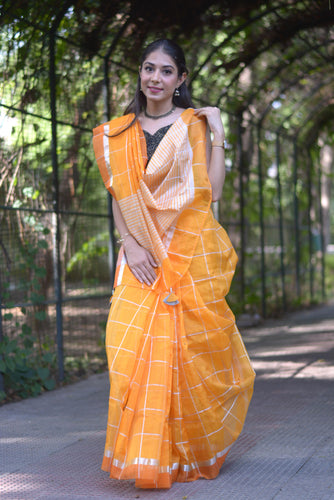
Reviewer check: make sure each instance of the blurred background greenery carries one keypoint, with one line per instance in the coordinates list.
(67, 67)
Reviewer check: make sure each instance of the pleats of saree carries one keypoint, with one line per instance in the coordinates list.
(180, 377)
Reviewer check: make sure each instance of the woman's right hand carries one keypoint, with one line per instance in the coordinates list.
(140, 261)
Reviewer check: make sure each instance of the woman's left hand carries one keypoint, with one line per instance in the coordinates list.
(212, 114)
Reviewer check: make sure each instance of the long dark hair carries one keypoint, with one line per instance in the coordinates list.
(172, 49)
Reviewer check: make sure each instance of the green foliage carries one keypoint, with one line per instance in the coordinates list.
(27, 360)
(80, 366)
(25, 370)
(236, 62)
(84, 258)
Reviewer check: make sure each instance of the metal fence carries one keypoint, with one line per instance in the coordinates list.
(57, 234)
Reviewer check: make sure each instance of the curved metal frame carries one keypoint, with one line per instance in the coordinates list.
(315, 109)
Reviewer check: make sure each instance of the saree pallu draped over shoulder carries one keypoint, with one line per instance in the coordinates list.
(180, 377)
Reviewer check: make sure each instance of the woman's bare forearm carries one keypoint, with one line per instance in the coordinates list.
(139, 260)
(216, 167)
(120, 223)
(215, 149)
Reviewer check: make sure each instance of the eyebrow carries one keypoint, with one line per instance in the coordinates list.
(165, 66)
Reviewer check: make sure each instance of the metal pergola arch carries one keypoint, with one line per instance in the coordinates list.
(110, 59)
(313, 110)
(275, 73)
(319, 84)
(294, 138)
(268, 108)
(282, 67)
(313, 92)
(227, 40)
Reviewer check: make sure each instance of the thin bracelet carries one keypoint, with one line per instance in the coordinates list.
(122, 238)
(219, 144)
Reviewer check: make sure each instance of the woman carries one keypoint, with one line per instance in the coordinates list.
(180, 377)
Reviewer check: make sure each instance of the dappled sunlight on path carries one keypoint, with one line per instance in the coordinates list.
(299, 346)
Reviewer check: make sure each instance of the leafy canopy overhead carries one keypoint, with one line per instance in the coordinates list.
(272, 59)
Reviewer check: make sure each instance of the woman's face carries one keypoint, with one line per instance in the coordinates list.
(159, 77)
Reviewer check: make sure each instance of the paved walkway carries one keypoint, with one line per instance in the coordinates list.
(51, 446)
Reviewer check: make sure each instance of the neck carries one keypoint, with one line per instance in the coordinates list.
(158, 108)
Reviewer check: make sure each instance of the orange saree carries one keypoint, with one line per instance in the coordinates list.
(180, 377)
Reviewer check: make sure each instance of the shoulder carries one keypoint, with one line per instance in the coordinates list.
(113, 125)
(190, 118)
(196, 124)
